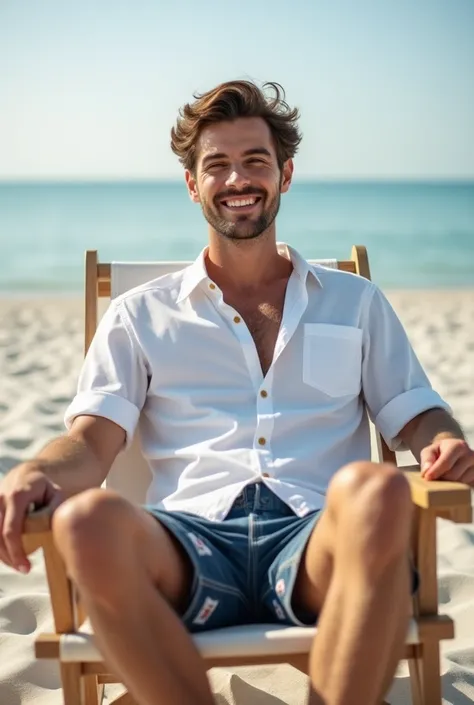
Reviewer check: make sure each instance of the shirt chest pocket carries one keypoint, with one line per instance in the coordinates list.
(332, 358)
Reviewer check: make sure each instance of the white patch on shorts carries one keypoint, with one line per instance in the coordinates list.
(206, 611)
(279, 611)
(202, 548)
(280, 587)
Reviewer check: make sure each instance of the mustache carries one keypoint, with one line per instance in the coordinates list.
(245, 192)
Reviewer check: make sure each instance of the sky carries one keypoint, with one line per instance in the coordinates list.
(90, 90)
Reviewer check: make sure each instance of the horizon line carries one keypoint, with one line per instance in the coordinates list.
(306, 179)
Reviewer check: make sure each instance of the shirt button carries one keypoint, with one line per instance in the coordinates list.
(262, 441)
(212, 286)
(237, 319)
(265, 474)
(264, 393)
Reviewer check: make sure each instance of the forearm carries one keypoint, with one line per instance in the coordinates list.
(70, 463)
(428, 427)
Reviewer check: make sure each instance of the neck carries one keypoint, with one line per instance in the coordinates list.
(245, 264)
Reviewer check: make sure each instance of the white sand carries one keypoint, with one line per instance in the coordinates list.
(41, 345)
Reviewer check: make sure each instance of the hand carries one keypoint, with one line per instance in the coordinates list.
(21, 487)
(448, 459)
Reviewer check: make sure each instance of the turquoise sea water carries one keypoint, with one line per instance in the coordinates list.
(419, 235)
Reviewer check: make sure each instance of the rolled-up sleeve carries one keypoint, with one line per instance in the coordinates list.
(395, 386)
(113, 380)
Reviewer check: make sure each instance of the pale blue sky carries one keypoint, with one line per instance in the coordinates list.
(91, 89)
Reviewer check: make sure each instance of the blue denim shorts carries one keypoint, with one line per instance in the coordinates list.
(245, 567)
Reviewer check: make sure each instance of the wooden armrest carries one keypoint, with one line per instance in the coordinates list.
(37, 534)
(38, 522)
(439, 495)
(36, 529)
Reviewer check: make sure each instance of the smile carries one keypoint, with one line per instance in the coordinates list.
(236, 203)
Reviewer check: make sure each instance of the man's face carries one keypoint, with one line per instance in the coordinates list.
(237, 180)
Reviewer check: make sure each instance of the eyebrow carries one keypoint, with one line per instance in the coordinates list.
(247, 153)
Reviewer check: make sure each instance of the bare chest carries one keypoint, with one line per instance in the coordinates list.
(263, 316)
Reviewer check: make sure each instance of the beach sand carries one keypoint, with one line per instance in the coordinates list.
(41, 343)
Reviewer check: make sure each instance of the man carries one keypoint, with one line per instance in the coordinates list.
(249, 372)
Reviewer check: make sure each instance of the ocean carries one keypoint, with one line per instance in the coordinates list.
(418, 235)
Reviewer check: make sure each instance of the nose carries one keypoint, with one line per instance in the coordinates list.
(237, 179)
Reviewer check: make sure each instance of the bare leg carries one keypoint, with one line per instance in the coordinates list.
(356, 575)
(129, 571)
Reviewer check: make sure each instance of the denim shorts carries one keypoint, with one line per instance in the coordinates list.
(245, 567)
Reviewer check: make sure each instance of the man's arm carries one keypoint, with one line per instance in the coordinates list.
(82, 458)
(438, 443)
(399, 395)
(68, 465)
(429, 427)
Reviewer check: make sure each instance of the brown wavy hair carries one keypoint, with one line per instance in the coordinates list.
(232, 100)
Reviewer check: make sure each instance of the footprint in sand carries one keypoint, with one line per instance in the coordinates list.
(43, 408)
(61, 400)
(7, 463)
(54, 427)
(31, 369)
(18, 443)
(18, 617)
(42, 674)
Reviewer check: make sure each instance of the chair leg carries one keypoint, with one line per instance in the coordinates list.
(415, 680)
(71, 683)
(425, 675)
(100, 693)
(93, 692)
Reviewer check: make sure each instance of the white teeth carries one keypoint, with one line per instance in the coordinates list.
(245, 202)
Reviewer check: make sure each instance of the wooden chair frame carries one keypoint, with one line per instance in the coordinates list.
(83, 683)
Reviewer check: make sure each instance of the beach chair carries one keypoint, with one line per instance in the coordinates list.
(82, 671)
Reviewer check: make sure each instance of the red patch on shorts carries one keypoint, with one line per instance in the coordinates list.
(280, 587)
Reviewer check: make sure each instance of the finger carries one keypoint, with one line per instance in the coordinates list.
(445, 462)
(427, 457)
(468, 477)
(57, 499)
(461, 469)
(16, 509)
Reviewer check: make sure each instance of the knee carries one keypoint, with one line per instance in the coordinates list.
(373, 502)
(380, 482)
(86, 527)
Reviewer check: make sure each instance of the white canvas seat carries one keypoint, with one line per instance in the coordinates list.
(127, 275)
(239, 642)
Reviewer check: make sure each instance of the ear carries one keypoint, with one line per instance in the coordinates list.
(191, 183)
(286, 175)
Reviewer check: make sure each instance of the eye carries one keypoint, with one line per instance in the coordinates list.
(256, 160)
(216, 165)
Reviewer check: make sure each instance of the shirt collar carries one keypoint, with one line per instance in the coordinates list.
(193, 276)
(301, 266)
(197, 273)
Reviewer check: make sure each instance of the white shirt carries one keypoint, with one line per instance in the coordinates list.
(173, 358)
